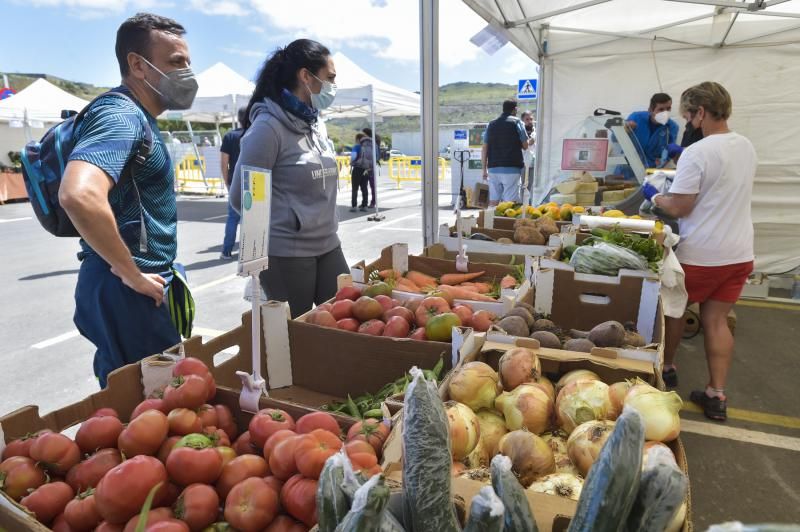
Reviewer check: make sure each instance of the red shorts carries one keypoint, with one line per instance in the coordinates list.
(720, 283)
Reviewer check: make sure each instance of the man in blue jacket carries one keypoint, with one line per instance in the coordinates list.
(654, 129)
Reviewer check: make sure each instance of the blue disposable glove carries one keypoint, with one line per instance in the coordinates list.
(673, 150)
(648, 191)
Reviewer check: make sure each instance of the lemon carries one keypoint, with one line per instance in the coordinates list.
(614, 214)
(509, 213)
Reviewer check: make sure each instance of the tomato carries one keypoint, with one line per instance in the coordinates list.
(60, 525)
(403, 312)
(323, 318)
(81, 512)
(56, 453)
(312, 449)
(195, 366)
(440, 328)
(186, 391)
(168, 525)
(275, 439)
(242, 445)
(198, 506)
(238, 469)
(166, 448)
(342, 309)
(429, 307)
(196, 462)
(98, 432)
(251, 505)
(48, 501)
(217, 436)
(284, 523)
(348, 324)
(385, 301)
(444, 295)
(358, 446)
(226, 422)
(227, 454)
(148, 404)
(267, 422)
(281, 459)
(107, 411)
(157, 515)
(208, 415)
(22, 446)
(183, 421)
(18, 475)
(396, 327)
(318, 420)
(372, 431)
(348, 292)
(464, 313)
(299, 498)
(483, 320)
(418, 334)
(105, 526)
(144, 435)
(275, 483)
(122, 491)
(88, 473)
(364, 463)
(166, 496)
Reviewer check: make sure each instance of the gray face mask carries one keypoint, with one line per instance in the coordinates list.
(176, 89)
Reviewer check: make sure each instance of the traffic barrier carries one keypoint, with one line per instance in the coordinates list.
(410, 169)
(189, 178)
(343, 163)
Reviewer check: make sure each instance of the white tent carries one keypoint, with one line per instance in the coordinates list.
(40, 101)
(617, 53)
(220, 92)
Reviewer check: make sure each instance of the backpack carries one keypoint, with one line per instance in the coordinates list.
(43, 165)
(366, 157)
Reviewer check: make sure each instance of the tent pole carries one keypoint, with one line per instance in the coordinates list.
(429, 88)
(376, 152)
(538, 181)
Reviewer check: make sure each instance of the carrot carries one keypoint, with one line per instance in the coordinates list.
(457, 278)
(389, 274)
(461, 293)
(482, 288)
(508, 282)
(420, 279)
(470, 287)
(407, 286)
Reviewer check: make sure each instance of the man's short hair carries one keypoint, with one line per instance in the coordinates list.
(241, 115)
(659, 97)
(134, 36)
(526, 113)
(509, 106)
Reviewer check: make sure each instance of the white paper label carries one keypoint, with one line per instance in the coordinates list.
(256, 205)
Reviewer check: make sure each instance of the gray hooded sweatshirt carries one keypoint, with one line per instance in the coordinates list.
(303, 220)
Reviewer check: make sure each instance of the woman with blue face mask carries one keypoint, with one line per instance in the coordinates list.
(285, 134)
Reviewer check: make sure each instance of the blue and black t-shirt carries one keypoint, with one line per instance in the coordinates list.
(109, 136)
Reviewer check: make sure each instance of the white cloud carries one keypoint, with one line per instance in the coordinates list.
(232, 8)
(518, 64)
(244, 52)
(94, 9)
(256, 29)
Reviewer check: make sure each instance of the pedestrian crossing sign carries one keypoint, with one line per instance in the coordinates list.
(526, 89)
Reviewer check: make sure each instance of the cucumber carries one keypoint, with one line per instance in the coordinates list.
(486, 513)
(517, 516)
(332, 502)
(368, 505)
(427, 461)
(661, 492)
(611, 487)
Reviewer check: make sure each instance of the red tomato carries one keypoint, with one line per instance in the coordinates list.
(168, 525)
(242, 445)
(18, 447)
(483, 320)
(98, 432)
(48, 501)
(166, 448)
(372, 327)
(348, 324)
(144, 435)
(313, 449)
(358, 446)
(122, 491)
(418, 334)
(157, 515)
(60, 525)
(208, 415)
(342, 309)
(81, 513)
(251, 505)
(396, 327)
(372, 431)
(281, 460)
(238, 469)
(284, 523)
(105, 526)
(198, 506)
(464, 313)
(107, 411)
(19, 475)
(274, 482)
(403, 312)
(55, 452)
(275, 439)
(195, 366)
(348, 292)
(299, 498)
(385, 301)
(227, 454)
(226, 422)
(186, 391)
(183, 421)
(318, 420)
(189, 465)
(364, 463)
(88, 473)
(323, 318)
(267, 422)
(148, 404)
(429, 307)
(217, 436)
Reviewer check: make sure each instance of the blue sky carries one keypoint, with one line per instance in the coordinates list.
(74, 39)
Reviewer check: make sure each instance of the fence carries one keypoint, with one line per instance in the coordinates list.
(189, 178)
(410, 169)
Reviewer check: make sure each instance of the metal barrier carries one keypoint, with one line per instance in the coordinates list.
(189, 178)
(410, 169)
(343, 163)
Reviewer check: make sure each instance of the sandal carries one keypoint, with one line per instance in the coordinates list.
(713, 407)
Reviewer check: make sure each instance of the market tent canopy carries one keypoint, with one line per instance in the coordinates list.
(616, 53)
(220, 92)
(356, 89)
(41, 101)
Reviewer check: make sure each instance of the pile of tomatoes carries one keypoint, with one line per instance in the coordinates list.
(183, 452)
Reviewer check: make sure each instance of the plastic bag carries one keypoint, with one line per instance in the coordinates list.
(604, 258)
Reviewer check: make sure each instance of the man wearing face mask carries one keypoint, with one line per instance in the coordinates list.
(654, 129)
(118, 190)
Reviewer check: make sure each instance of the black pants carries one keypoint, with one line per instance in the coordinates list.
(303, 281)
(370, 176)
(358, 180)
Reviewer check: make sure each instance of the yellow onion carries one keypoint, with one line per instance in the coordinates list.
(557, 440)
(574, 375)
(527, 406)
(545, 384)
(464, 429)
(585, 442)
(659, 411)
(650, 445)
(475, 385)
(457, 468)
(617, 393)
(581, 401)
(530, 456)
(493, 427)
(479, 457)
(559, 484)
(517, 366)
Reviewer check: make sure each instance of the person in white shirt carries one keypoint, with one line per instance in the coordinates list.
(711, 196)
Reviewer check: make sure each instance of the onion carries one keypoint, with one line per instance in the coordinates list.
(560, 484)
(481, 474)
(479, 457)
(659, 411)
(576, 374)
(464, 429)
(617, 393)
(581, 401)
(518, 365)
(493, 427)
(649, 446)
(677, 522)
(557, 440)
(585, 442)
(530, 456)
(545, 384)
(457, 468)
(475, 385)
(527, 406)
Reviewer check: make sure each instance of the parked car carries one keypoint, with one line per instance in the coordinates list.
(396, 153)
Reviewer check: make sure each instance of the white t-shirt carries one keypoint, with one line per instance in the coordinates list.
(720, 169)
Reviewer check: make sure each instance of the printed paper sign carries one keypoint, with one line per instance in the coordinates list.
(590, 155)
(256, 206)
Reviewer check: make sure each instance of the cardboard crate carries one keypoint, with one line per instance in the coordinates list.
(552, 513)
(438, 251)
(469, 226)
